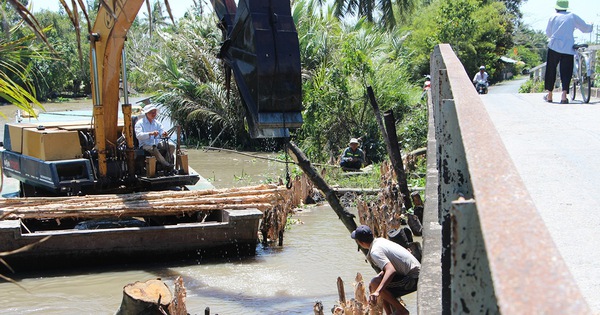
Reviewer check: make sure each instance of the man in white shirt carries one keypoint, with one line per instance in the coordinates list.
(399, 270)
(560, 48)
(481, 76)
(149, 131)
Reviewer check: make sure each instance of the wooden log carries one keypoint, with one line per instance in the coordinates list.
(396, 157)
(341, 291)
(318, 308)
(150, 297)
(119, 213)
(301, 160)
(178, 307)
(360, 290)
(393, 154)
(262, 197)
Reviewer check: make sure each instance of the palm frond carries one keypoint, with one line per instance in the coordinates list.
(31, 21)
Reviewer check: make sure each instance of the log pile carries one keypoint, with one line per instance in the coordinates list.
(276, 202)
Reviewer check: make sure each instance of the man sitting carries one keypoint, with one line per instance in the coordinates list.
(352, 158)
(148, 131)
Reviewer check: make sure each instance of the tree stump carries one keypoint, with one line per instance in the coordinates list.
(150, 297)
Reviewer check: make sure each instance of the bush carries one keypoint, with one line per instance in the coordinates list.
(531, 86)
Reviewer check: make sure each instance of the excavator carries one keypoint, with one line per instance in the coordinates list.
(260, 46)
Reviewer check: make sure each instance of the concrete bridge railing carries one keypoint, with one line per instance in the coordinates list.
(497, 257)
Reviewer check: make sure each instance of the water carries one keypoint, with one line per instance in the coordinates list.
(278, 280)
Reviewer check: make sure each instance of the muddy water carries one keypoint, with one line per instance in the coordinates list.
(278, 280)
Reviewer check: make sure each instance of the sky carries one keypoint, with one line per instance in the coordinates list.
(535, 12)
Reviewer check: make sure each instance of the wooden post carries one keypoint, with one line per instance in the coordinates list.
(301, 160)
(396, 157)
(388, 145)
(341, 291)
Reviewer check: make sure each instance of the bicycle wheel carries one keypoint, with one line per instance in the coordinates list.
(586, 82)
(573, 87)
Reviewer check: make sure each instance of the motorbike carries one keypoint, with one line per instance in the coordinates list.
(481, 87)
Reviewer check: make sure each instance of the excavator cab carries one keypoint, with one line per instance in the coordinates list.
(261, 48)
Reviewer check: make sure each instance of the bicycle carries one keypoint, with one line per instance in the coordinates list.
(583, 72)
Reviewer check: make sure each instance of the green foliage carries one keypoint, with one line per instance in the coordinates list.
(478, 31)
(370, 9)
(64, 74)
(533, 41)
(368, 180)
(339, 63)
(17, 51)
(531, 86)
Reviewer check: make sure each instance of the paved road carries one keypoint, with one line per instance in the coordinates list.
(556, 149)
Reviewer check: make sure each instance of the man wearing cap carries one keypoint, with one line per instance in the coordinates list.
(148, 131)
(399, 270)
(352, 158)
(560, 48)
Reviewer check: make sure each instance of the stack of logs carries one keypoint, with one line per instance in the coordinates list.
(275, 201)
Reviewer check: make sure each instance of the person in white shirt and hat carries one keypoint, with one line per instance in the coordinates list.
(149, 131)
(352, 158)
(560, 47)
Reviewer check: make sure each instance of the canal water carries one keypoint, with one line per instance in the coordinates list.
(278, 280)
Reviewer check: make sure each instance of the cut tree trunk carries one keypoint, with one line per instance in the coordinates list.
(150, 297)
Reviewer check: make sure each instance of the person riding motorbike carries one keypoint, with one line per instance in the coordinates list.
(481, 80)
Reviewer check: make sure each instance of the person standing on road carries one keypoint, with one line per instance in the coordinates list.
(560, 47)
(399, 270)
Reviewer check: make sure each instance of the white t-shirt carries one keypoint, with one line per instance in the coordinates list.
(480, 77)
(383, 251)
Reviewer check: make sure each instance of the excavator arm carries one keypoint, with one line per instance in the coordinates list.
(106, 49)
(261, 48)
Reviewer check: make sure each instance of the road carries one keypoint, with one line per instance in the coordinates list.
(556, 150)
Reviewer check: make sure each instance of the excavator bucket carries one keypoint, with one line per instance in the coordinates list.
(261, 47)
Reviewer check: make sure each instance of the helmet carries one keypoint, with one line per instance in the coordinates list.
(482, 68)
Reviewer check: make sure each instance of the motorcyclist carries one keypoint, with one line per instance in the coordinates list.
(481, 76)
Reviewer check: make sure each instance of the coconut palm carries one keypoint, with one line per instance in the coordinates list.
(371, 8)
(15, 76)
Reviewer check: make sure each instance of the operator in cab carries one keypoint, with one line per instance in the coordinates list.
(352, 158)
(149, 131)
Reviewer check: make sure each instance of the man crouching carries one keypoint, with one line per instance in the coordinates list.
(399, 270)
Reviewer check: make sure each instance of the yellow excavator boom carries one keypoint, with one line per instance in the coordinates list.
(106, 46)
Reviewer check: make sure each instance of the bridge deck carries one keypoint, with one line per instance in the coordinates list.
(556, 150)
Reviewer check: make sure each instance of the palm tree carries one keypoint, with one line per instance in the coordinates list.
(12, 52)
(16, 50)
(371, 8)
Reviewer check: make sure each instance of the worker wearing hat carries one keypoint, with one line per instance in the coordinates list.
(149, 131)
(352, 158)
(560, 30)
